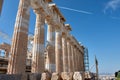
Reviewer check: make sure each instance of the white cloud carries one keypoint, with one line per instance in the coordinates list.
(112, 5)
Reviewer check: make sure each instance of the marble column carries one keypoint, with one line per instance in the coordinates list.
(17, 61)
(58, 51)
(38, 63)
(76, 57)
(51, 48)
(79, 61)
(65, 54)
(82, 62)
(72, 56)
(69, 55)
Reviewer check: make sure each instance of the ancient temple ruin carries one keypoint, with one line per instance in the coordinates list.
(64, 54)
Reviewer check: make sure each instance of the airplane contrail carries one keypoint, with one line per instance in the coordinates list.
(80, 11)
(117, 18)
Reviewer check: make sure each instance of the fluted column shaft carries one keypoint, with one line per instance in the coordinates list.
(79, 61)
(38, 64)
(51, 48)
(65, 54)
(58, 51)
(69, 55)
(76, 59)
(82, 62)
(72, 57)
(17, 62)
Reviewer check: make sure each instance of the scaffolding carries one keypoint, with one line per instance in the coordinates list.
(86, 60)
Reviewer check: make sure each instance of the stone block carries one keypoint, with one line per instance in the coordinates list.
(56, 76)
(24, 77)
(67, 75)
(46, 76)
(10, 77)
(71, 75)
(34, 76)
(77, 76)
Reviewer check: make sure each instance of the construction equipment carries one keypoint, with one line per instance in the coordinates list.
(86, 59)
(88, 74)
(96, 63)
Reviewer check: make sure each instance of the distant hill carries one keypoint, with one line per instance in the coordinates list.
(106, 73)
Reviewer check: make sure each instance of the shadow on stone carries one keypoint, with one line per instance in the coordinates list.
(13, 77)
(35, 76)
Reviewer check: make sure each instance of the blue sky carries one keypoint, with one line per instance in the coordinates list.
(99, 30)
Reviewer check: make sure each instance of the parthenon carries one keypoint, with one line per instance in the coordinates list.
(64, 54)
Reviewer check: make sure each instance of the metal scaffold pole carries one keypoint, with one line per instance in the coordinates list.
(86, 59)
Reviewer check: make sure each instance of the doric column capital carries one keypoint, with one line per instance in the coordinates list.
(75, 46)
(40, 19)
(68, 39)
(72, 44)
(58, 29)
(38, 11)
(64, 35)
(49, 22)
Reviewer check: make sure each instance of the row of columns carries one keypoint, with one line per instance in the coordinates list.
(63, 54)
(67, 56)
